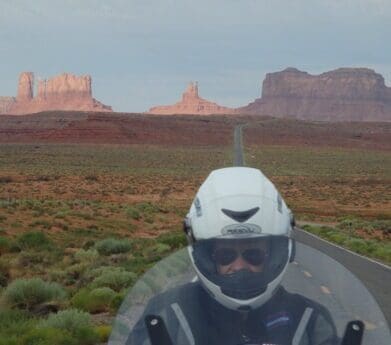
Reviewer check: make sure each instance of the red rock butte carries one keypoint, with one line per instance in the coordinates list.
(63, 92)
(344, 94)
(191, 103)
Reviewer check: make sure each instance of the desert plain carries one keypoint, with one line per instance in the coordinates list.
(90, 201)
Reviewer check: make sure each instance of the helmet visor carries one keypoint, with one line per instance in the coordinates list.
(241, 267)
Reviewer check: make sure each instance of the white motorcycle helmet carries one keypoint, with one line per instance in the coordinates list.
(239, 205)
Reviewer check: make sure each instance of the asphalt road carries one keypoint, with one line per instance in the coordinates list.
(238, 144)
(375, 276)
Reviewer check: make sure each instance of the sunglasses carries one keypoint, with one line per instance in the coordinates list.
(225, 256)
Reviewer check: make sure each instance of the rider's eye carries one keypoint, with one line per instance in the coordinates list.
(254, 256)
(224, 256)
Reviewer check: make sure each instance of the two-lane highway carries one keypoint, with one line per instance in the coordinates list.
(375, 276)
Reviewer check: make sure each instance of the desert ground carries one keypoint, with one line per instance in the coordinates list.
(89, 202)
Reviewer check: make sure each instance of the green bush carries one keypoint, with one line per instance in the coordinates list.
(147, 208)
(75, 322)
(115, 278)
(133, 213)
(70, 320)
(89, 256)
(26, 294)
(5, 245)
(383, 252)
(357, 245)
(337, 238)
(49, 336)
(104, 332)
(14, 322)
(32, 239)
(97, 300)
(175, 239)
(112, 246)
(4, 273)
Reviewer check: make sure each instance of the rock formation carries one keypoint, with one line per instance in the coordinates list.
(25, 87)
(63, 92)
(345, 94)
(5, 104)
(191, 103)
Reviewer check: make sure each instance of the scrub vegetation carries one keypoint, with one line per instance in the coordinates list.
(80, 223)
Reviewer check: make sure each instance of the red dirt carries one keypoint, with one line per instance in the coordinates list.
(119, 128)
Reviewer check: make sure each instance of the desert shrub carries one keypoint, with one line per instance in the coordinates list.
(357, 245)
(110, 246)
(115, 278)
(147, 208)
(75, 272)
(155, 252)
(75, 322)
(14, 322)
(70, 320)
(10, 340)
(117, 300)
(383, 252)
(103, 332)
(26, 294)
(31, 258)
(133, 213)
(33, 239)
(175, 240)
(383, 225)
(48, 336)
(4, 273)
(89, 256)
(5, 245)
(337, 238)
(97, 300)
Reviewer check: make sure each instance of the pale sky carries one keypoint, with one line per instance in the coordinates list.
(142, 53)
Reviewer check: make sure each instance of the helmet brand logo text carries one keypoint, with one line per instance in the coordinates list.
(241, 229)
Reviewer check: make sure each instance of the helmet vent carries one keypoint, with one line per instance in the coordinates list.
(279, 203)
(240, 216)
(197, 205)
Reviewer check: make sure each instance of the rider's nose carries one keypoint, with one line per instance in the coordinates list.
(238, 264)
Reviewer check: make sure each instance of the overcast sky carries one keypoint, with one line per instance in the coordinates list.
(142, 53)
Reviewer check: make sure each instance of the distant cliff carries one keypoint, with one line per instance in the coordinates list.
(6, 103)
(191, 103)
(63, 92)
(345, 94)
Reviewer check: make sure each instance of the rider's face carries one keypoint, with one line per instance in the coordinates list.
(233, 257)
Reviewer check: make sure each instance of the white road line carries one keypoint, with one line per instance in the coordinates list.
(347, 250)
(325, 290)
(308, 274)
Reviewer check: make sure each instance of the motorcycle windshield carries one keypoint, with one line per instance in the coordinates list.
(312, 304)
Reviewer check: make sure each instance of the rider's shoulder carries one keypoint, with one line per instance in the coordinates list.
(297, 300)
(182, 293)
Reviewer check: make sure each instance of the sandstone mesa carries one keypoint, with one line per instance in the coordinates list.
(344, 94)
(63, 92)
(191, 103)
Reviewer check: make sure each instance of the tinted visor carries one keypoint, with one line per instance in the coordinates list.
(225, 256)
(241, 267)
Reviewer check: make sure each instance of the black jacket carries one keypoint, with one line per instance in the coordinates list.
(193, 317)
